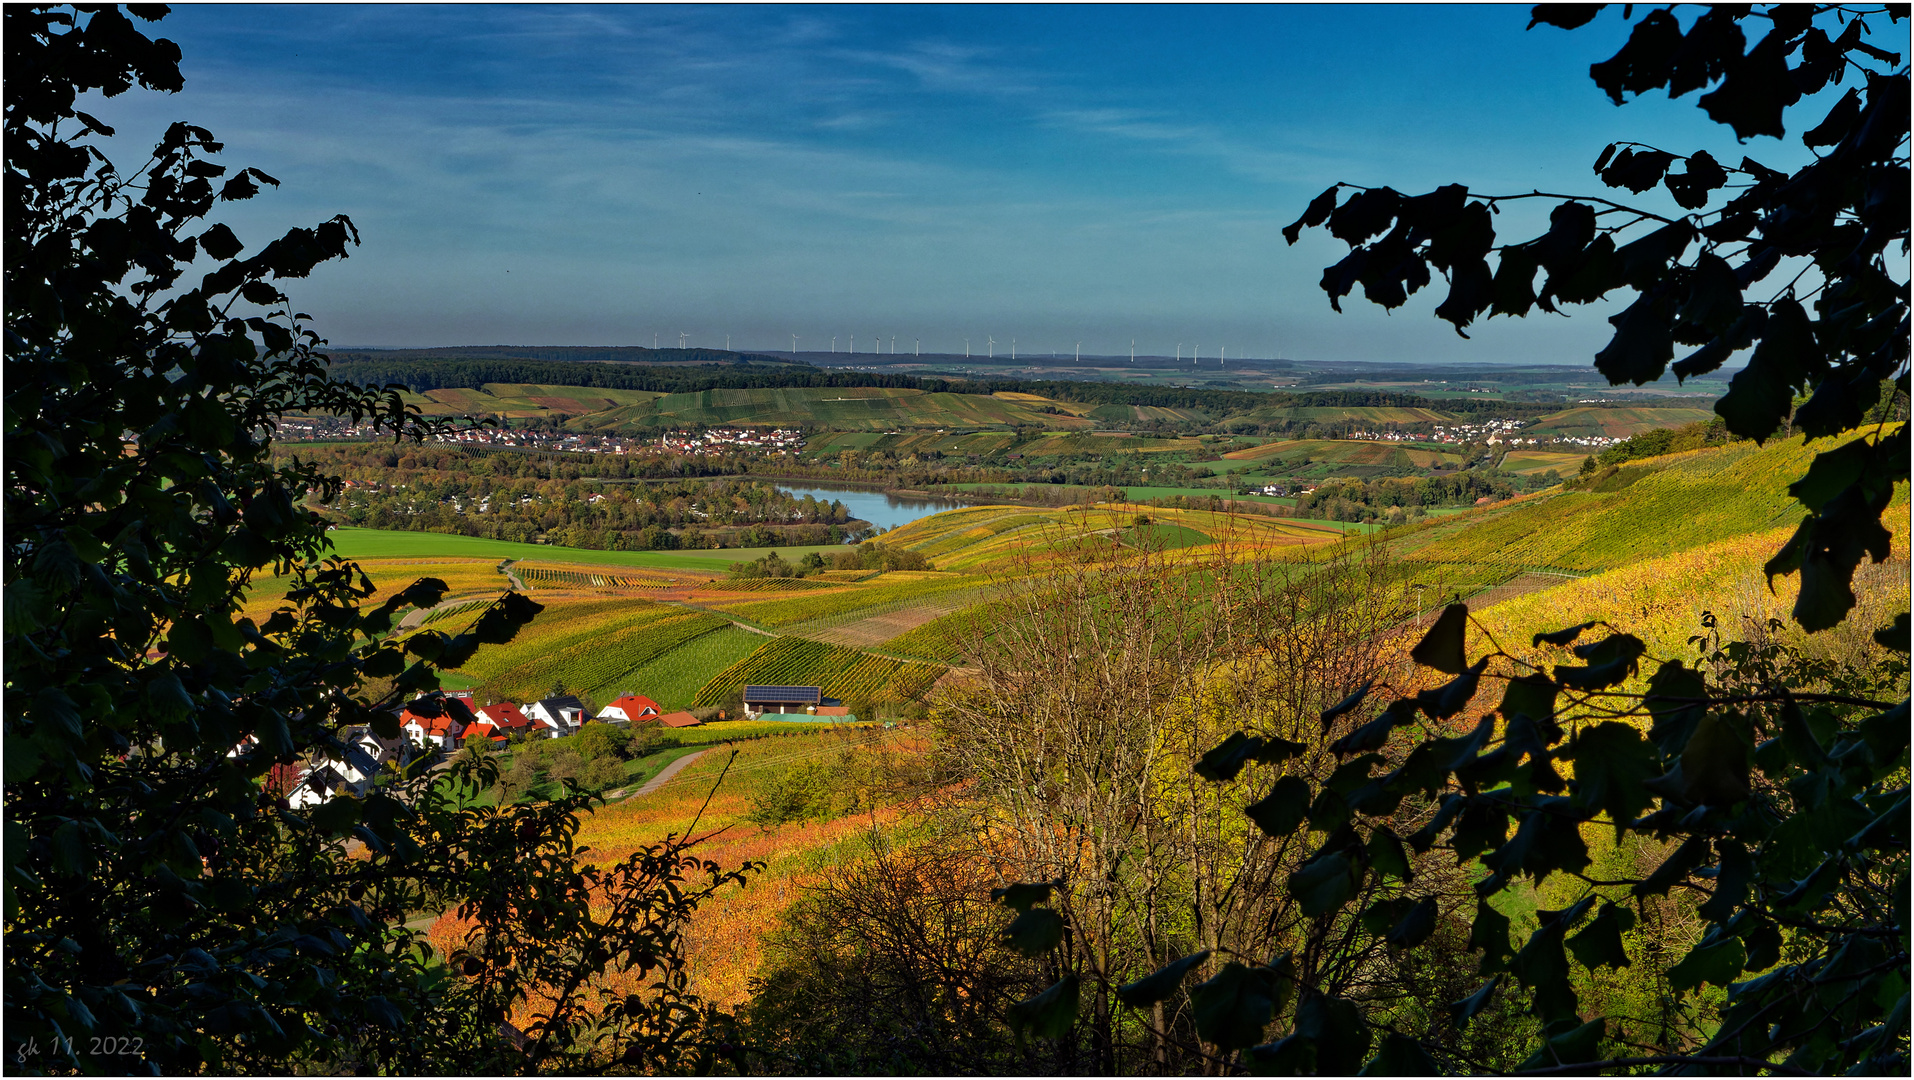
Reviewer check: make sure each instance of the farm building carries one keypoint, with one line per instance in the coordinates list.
(781, 699)
(679, 719)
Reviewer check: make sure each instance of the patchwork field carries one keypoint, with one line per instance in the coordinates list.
(1614, 423)
(519, 400)
(355, 543)
(841, 408)
(1295, 453)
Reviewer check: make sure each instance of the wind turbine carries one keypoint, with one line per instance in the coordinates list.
(920, 346)
(1079, 358)
(1132, 350)
(893, 344)
(1013, 348)
(727, 343)
(853, 344)
(991, 343)
(1179, 352)
(681, 338)
(833, 344)
(794, 344)
(966, 348)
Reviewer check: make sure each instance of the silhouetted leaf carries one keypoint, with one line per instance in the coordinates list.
(1021, 896)
(1231, 1008)
(1160, 983)
(1228, 757)
(1415, 926)
(1314, 214)
(1323, 884)
(1563, 636)
(1679, 864)
(1048, 1015)
(1643, 63)
(1399, 1055)
(1572, 1047)
(1347, 703)
(1716, 963)
(1034, 932)
(1600, 942)
(1566, 16)
(1441, 647)
(1611, 761)
(1453, 696)
(1338, 1029)
(1281, 811)
(1386, 854)
(1461, 1012)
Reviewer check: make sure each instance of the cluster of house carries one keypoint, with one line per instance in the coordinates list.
(719, 440)
(443, 722)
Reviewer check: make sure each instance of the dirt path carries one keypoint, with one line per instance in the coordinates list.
(667, 773)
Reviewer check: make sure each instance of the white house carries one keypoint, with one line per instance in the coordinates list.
(558, 715)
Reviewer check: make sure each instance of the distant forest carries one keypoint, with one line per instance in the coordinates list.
(435, 370)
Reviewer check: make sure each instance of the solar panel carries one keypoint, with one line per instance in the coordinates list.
(809, 695)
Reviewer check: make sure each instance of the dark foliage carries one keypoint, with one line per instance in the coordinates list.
(1833, 324)
(167, 910)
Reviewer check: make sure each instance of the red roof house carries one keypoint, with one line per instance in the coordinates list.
(505, 716)
(632, 708)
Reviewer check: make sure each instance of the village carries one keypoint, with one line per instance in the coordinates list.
(436, 725)
(1488, 432)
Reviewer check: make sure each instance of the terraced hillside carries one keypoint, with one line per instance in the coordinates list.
(1645, 509)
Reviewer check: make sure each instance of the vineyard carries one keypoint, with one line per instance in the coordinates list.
(770, 584)
(806, 613)
(1644, 510)
(604, 666)
(534, 576)
(845, 674)
(674, 679)
(453, 611)
(461, 576)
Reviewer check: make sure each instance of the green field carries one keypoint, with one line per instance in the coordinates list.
(355, 543)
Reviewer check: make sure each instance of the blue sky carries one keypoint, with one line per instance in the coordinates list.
(1053, 174)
